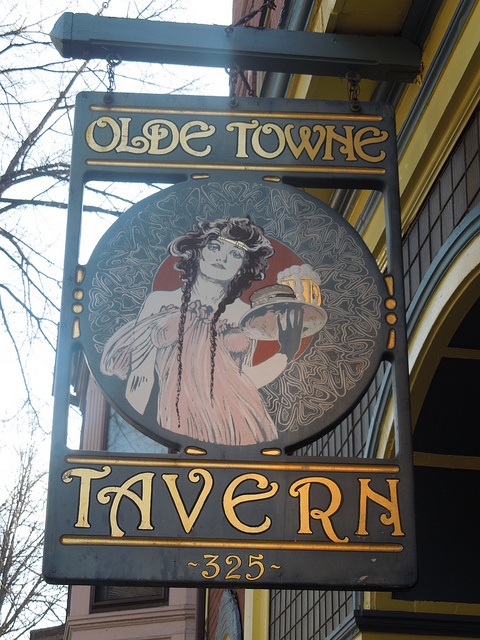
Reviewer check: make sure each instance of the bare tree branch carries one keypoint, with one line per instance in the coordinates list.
(24, 598)
(37, 94)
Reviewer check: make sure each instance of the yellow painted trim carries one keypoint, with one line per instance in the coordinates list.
(298, 87)
(440, 26)
(440, 461)
(374, 235)
(326, 15)
(429, 341)
(462, 354)
(256, 614)
(383, 601)
(460, 286)
(443, 121)
(440, 126)
(206, 610)
(386, 444)
(458, 289)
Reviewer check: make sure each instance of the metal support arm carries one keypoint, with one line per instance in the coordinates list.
(85, 37)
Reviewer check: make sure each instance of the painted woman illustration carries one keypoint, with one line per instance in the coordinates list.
(191, 341)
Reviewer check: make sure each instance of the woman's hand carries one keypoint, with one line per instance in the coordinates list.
(290, 325)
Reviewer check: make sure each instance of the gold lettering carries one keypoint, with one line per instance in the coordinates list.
(359, 143)
(346, 148)
(267, 140)
(189, 519)
(102, 123)
(390, 504)
(230, 502)
(237, 563)
(143, 502)
(242, 135)
(211, 562)
(138, 144)
(86, 476)
(301, 489)
(255, 561)
(305, 144)
(267, 129)
(205, 132)
(158, 130)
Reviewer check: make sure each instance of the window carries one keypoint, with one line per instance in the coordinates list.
(108, 598)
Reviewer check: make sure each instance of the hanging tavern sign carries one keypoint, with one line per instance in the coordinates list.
(234, 318)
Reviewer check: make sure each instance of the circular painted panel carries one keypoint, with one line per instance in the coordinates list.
(233, 314)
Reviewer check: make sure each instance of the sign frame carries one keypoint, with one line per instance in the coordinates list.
(86, 540)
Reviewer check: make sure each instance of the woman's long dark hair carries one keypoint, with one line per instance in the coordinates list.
(189, 249)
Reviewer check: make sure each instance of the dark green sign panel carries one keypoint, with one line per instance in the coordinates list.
(234, 318)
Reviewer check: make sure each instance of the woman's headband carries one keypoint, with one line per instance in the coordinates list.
(238, 243)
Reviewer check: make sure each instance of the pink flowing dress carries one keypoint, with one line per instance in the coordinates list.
(235, 415)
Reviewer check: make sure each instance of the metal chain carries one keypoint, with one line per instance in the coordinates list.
(268, 4)
(353, 79)
(250, 91)
(232, 83)
(233, 74)
(104, 6)
(112, 62)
